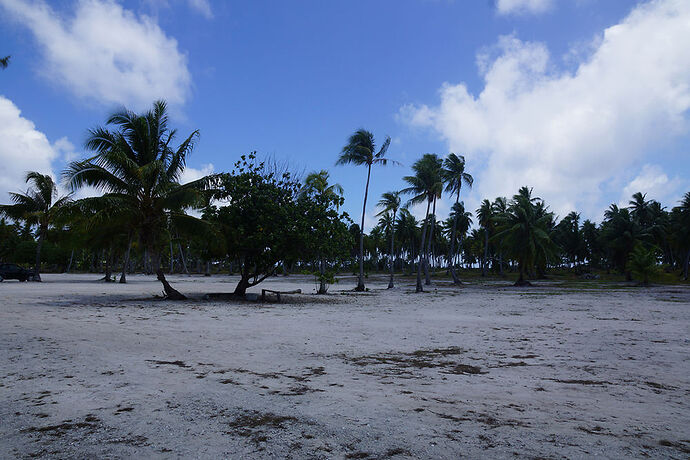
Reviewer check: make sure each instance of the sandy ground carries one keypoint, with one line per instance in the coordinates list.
(94, 370)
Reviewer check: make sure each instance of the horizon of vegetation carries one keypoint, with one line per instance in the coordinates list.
(261, 218)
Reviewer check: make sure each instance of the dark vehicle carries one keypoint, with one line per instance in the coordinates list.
(15, 272)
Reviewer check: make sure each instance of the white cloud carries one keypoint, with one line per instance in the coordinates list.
(23, 148)
(191, 174)
(570, 134)
(66, 150)
(656, 184)
(202, 6)
(105, 53)
(523, 6)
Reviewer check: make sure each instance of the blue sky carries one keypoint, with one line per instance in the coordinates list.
(584, 100)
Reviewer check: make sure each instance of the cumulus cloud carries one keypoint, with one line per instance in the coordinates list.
(569, 134)
(523, 6)
(23, 148)
(105, 53)
(656, 184)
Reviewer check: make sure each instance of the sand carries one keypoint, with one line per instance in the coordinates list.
(483, 371)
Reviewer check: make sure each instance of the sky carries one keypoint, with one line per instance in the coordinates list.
(586, 101)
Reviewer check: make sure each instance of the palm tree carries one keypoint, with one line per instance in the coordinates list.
(523, 231)
(454, 174)
(408, 232)
(139, 172)
(38, 206)
(361, 150)
(318, 182)
(621, 232)
(458, 222)
(485, 217)
(639, 209)
(316, 185)
(499, 207)
(681, 218)
(425, 185)
(4, 62)
(390, 202)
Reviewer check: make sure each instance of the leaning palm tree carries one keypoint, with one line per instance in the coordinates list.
(361, 150)
(455, 176)
(390, 202)
(39, 206)
(425, 185)
(139, 171)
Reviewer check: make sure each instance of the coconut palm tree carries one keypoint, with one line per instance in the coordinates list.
(523, 231)
(139, 171)
(361, 150)
(455, 176)
(408, 232)
(390, 202)
(457, 226)
(681, 224)
(318, 182)
(39, 206)
(4, 62)
(485, 216)
(425, 185)
(499, 207)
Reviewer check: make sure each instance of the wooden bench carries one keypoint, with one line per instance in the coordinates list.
(278, 293)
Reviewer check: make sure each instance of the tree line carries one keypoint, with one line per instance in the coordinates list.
(261, 219)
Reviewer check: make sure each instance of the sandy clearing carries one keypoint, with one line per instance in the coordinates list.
(90, 369)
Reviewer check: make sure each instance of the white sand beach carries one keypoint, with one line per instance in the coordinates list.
(94, 370)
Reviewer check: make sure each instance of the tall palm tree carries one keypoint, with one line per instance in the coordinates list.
(390, 202)
(499, 207)
(361, 150)
(39, 206)
(425, 185)
(485, 217)
(408, 232)
(455, 176)
(523, 231)
(4, 62)
(139, 171)
(457, 226)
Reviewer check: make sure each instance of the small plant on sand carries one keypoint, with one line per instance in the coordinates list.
(642, 264)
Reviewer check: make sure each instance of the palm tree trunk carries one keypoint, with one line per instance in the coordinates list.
(170, 293)
(419, 287)
(390, 282)
(360, 281)
(208, 268)
(427, 277)
(486, 251)
(172, 259)
(687, 262)
(71, 258)
(123, 275)
(451, 253)
(108, 276)
(39, 246)
(184, 261)
(322, 279)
